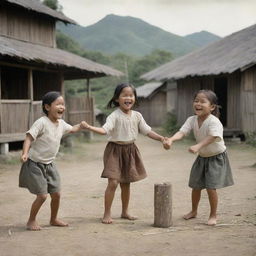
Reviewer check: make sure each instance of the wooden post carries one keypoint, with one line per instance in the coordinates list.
(88, 88)
(31, 97)
(163, 205)
(0, 100)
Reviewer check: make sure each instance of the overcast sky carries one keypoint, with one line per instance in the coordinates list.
(181, 17)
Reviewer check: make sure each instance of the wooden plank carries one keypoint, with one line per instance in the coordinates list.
(0, 99)
(14, 101)
(10, 137)
(31, 96)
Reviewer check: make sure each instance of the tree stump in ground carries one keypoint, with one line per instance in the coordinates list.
(163, 205)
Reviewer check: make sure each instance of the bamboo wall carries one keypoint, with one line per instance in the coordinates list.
(248, 100)
(27, 26)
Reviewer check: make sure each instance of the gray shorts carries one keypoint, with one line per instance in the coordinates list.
(211, 172)
(39, 178)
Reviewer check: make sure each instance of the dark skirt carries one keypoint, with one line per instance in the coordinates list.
(122, 162)
(211, 172)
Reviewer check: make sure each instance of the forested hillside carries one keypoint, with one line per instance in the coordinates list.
(132, 36)
(102, 88)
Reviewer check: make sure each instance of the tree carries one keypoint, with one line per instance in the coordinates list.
(53, 4)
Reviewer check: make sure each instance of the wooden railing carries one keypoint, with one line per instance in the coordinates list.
(80, 108)
(16, 116)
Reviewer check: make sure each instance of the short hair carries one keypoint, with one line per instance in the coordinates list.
(48, 98)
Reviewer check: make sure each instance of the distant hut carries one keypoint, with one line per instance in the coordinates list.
(31, 65)
(155, 101)
(228, 67)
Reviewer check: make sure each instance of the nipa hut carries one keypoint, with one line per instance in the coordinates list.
(31, 65)
(227, 67)
(156, 99)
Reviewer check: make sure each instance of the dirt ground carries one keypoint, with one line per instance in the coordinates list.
(82, 208)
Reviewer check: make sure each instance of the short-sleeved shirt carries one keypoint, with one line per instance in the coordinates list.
(47, 136)
(121, 127)
(211, 126)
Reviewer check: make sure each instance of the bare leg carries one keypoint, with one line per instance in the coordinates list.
(36, 205)
(109, 196)
(195, 197)
(125, 197)
(55, 203)
(213, 200)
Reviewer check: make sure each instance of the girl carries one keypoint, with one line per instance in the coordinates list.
(122, 160)
(38, 172)
(211, 169)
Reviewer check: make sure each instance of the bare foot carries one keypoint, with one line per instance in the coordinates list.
(58, 223)
(190, 215)
(212, 221)
(128, 217)
(33, 226)
(107, 219)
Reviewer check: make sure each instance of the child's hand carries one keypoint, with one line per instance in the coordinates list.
(24, 158)
(194, 149)
(84, 125)
(167, 143)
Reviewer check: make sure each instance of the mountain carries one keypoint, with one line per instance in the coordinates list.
(202, 38)
(129, 35)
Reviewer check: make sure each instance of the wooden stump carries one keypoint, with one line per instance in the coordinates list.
(163, 205)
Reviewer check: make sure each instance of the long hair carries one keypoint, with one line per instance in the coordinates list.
(113, 102)
(48, 98)
(212, 97)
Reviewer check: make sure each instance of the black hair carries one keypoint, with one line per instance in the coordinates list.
(48, 98)
(113, 102)
(212, 97)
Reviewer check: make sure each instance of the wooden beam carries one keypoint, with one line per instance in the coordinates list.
(3, 63)
(88, 88)
(0, 100)
(31, 96)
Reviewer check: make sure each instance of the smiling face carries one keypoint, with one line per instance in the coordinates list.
(126, 99)
(56, 109)
(202, 106)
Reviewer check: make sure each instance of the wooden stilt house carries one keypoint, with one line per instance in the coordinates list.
(31, 65)
(156, 99)
(227, 67)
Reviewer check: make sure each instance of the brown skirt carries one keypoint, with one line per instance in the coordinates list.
(123, 163)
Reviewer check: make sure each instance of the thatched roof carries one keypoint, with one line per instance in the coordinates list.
(148, 89)
(37, 6)
(72, 65)
(234, 52)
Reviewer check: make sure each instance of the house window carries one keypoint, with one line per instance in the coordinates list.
(14, 83)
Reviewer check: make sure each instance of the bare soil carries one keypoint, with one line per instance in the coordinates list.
(82, 208)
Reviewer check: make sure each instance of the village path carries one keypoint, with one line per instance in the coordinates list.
(82, 207)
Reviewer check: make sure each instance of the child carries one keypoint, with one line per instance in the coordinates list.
(38, 172)
(122, 160)
(211, 169)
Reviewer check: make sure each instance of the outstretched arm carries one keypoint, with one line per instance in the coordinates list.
(98, 130)
(26, 145)
(205, 142)
(155, 136)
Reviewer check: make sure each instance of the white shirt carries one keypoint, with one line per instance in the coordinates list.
(47, 136)
(211, 126)
(121, 127)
